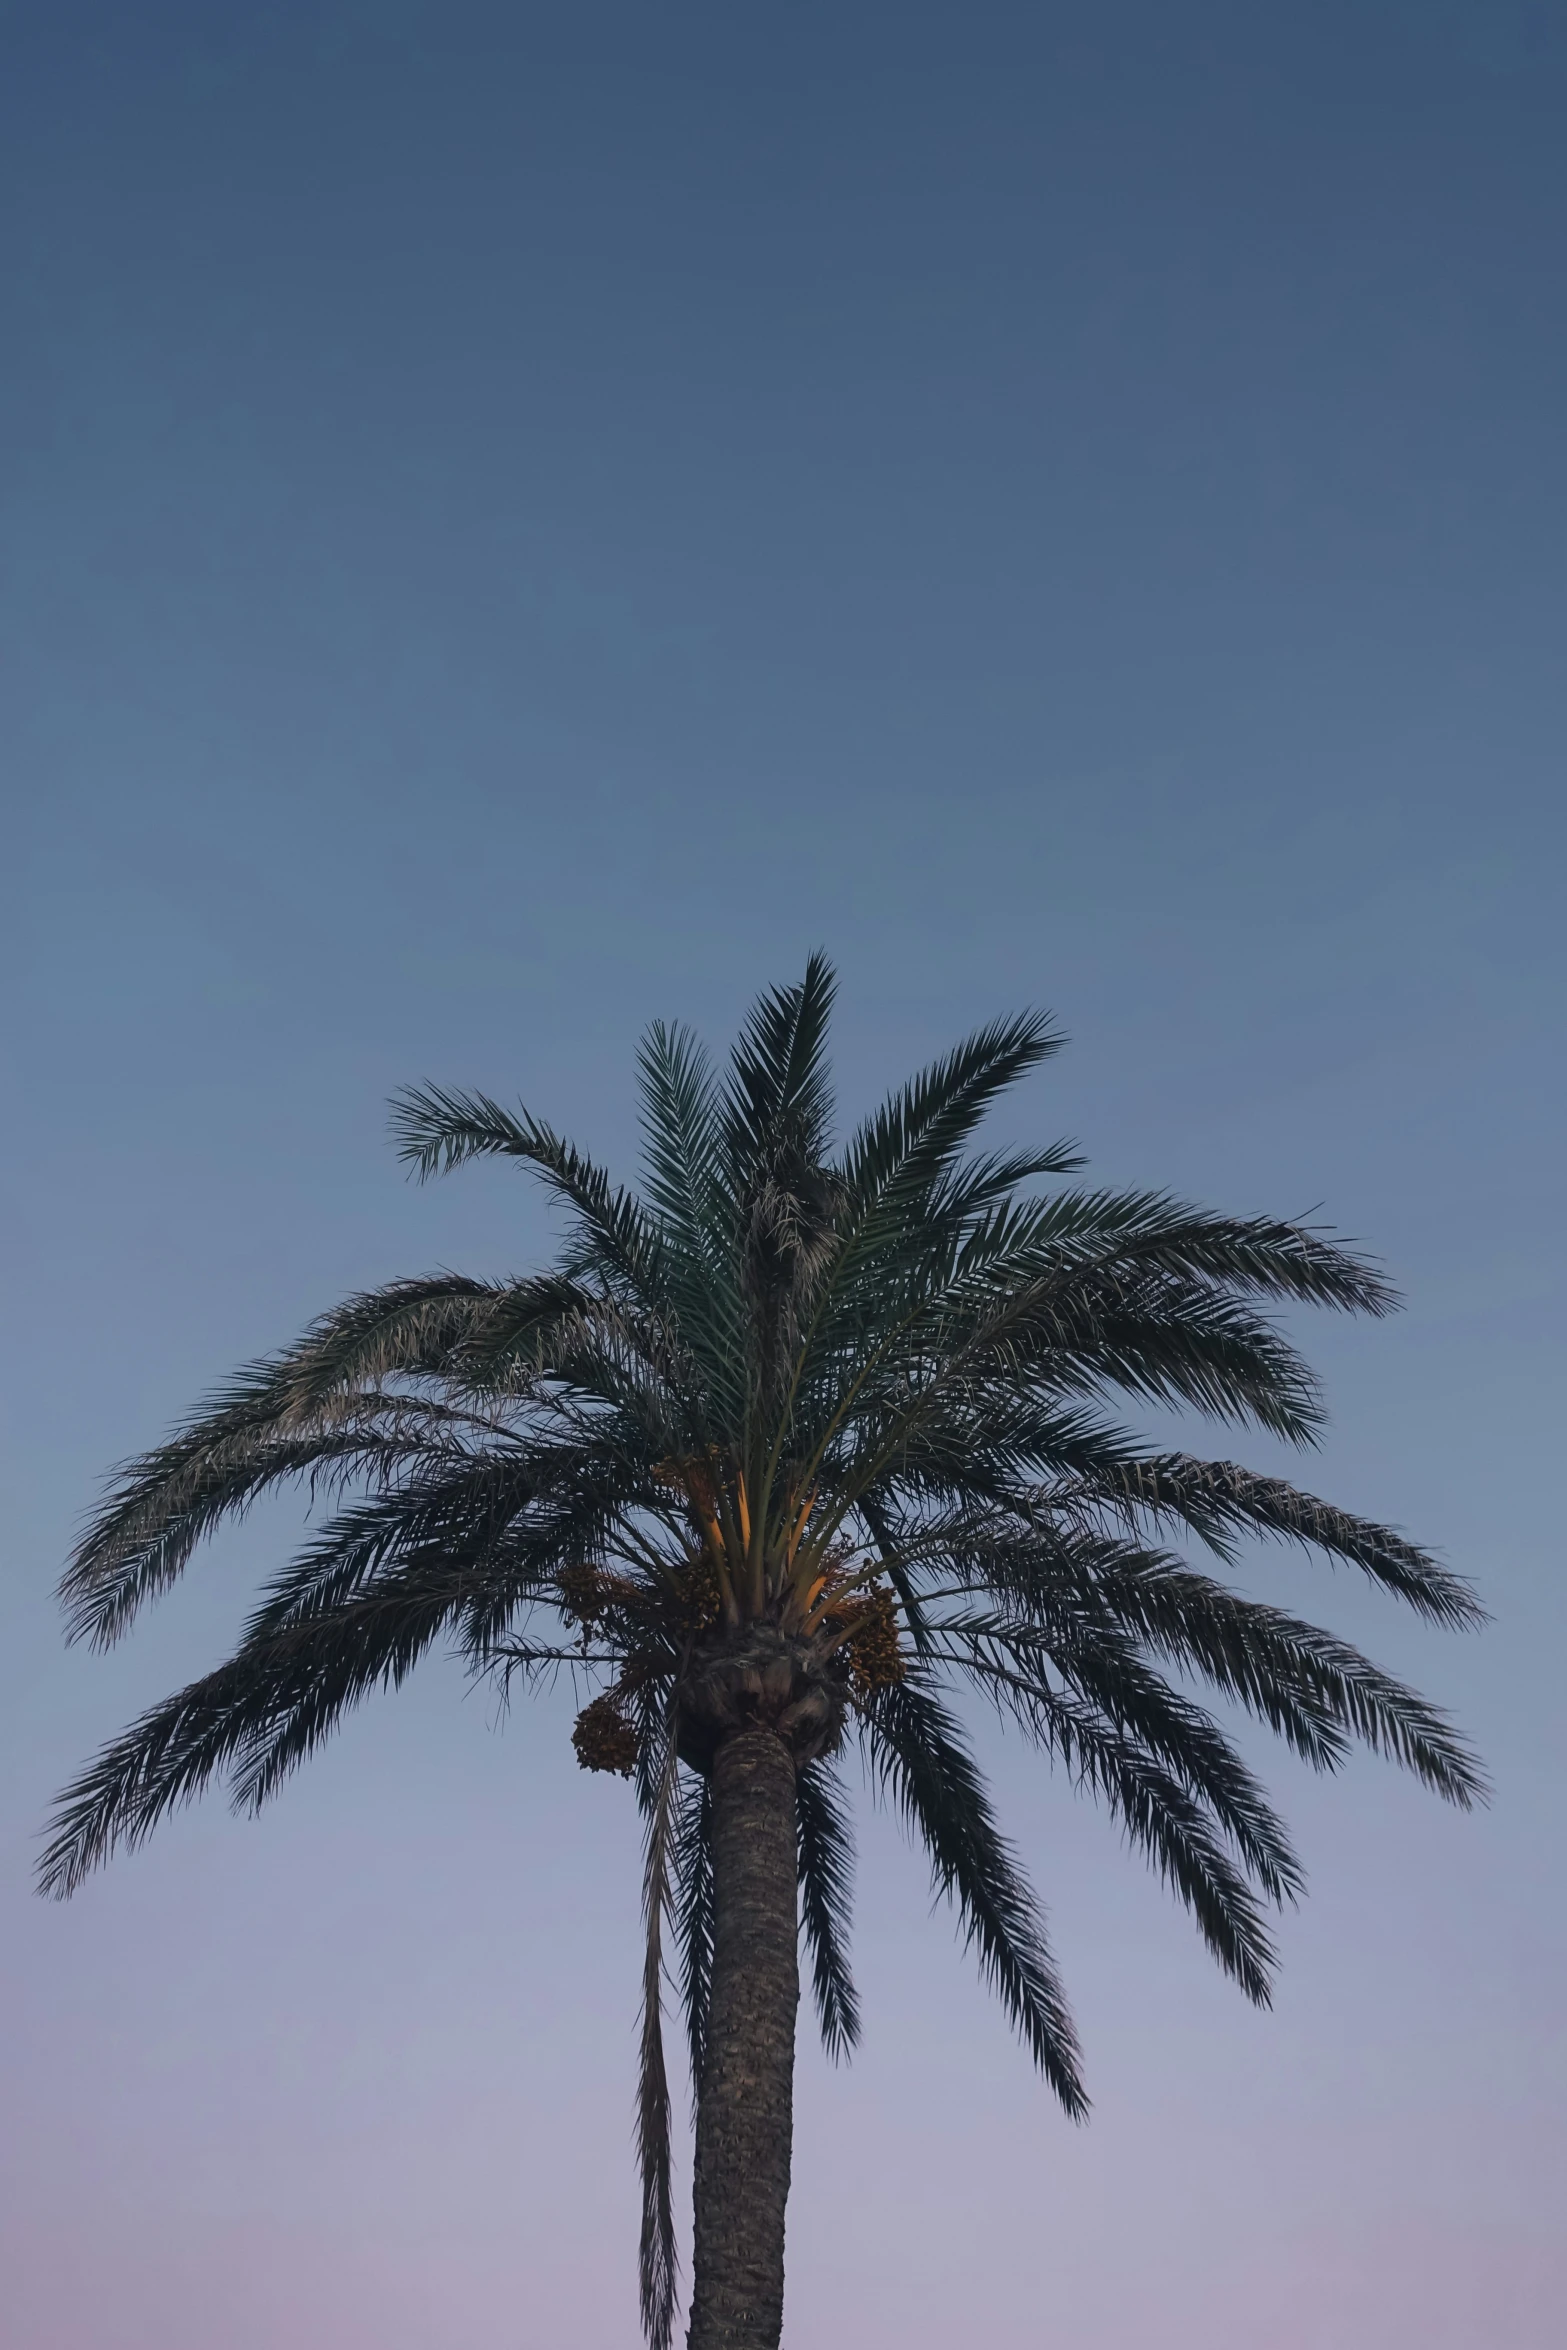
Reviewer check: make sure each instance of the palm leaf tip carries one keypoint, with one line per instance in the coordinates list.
(680, 1139)
(1220, 1501)
(117, 1801)
(919, 1755)
(918, 1134)
(435, 1128)
(779, 1084)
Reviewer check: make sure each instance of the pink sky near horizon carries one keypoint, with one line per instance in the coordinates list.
(363, 2077)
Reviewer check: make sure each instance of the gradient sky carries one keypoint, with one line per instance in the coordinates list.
(518, 520)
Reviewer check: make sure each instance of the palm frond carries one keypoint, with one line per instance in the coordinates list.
(1313, 1689)
(1165, 1820)
(263, 1711)
(680, 1137)
(1080, 1596)
(779, 1095)
(913, 1140)
(1171, 1796)
(493, 1534)
(969, 1189)
(1220, 1501)
(1165, 1341)
(318, 1411)
(917, 1752)
(438, 1129)
(658, 2264)
(1109, 1675)
(696, 1213)
(693, 1878)
(826, 1887)
(1259, 1256)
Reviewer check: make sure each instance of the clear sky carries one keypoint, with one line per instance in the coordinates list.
(515, 520)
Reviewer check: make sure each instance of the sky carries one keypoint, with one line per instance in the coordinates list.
(520, 520)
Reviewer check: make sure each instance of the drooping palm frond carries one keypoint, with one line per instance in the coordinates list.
(297, 1688)
(1164, 1769)
(918, 1754)
(1078, 1595)
(658, 2263)
(826, 1888)
(321, 1413)
(693, 1876)
(437, 1130)
(1223, 1503)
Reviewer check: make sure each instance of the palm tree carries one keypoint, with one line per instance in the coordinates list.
(797, 1449)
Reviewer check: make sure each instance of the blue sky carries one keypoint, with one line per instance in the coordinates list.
(514, 521)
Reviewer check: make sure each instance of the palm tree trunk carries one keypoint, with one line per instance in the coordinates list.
(745, 2115)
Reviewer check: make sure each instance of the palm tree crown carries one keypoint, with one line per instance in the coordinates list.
(808, 1439)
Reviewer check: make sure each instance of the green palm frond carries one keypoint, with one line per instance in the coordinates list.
(658, 2265)
(914, 1140)
(319, 1413)
(1165, 1820)
(437, 1130)
(693, 1880)
(1222, 1502)
(826, 1888)
(777, 1107)
(271, 1704)
(686, 1185)
(918, 1754)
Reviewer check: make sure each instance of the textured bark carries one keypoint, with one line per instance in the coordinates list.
(745, 2115)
